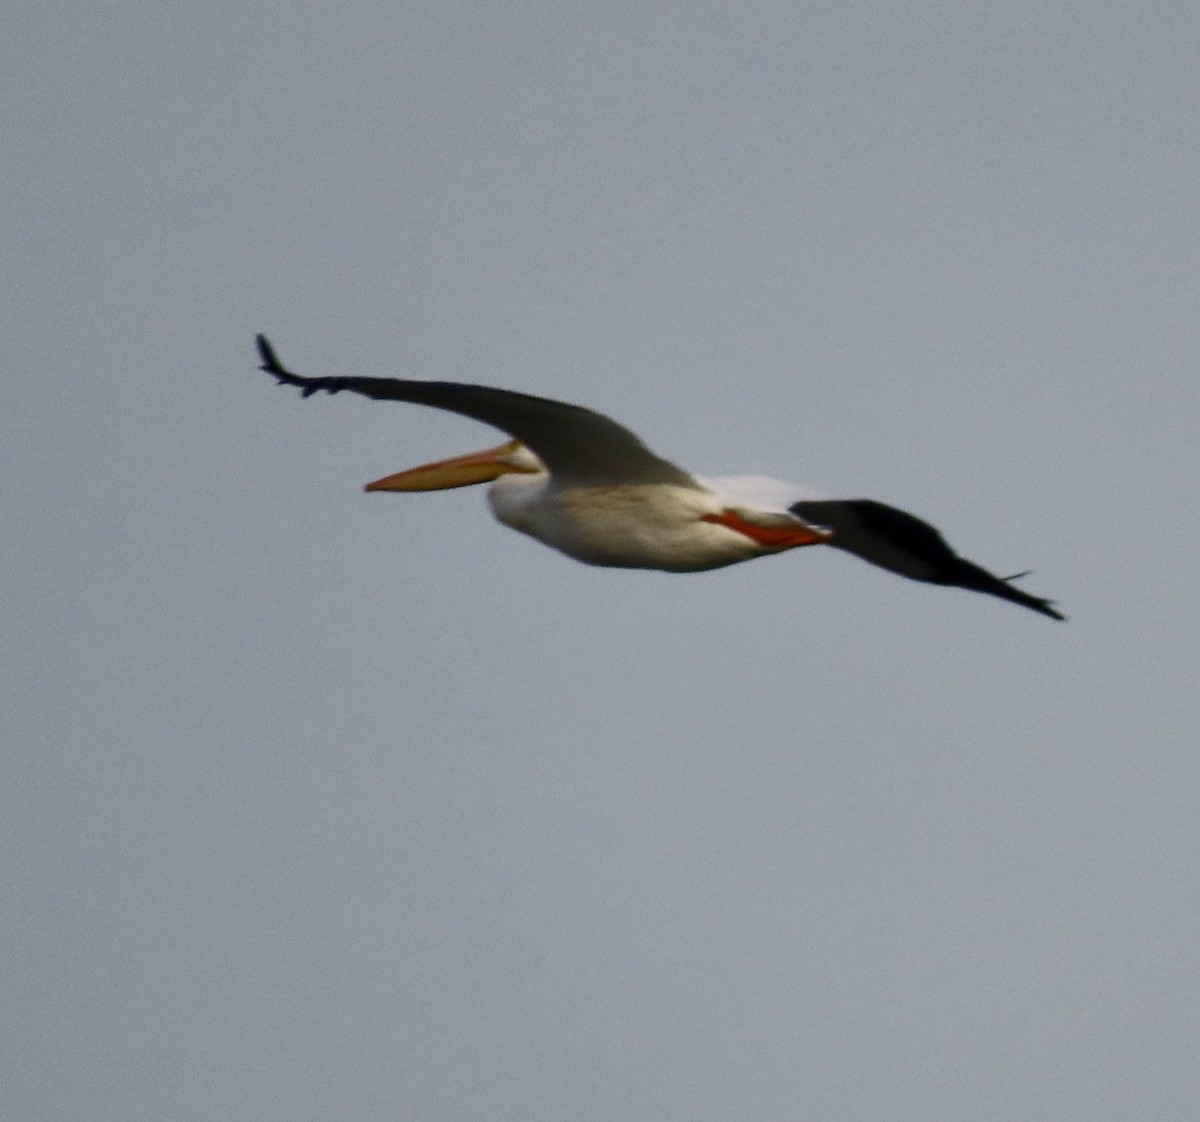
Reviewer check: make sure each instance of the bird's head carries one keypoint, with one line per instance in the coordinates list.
(463, 471)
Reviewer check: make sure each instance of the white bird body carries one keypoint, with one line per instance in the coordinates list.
(585, 485)
(631, 526)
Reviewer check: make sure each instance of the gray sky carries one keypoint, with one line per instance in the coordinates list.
(329, 805)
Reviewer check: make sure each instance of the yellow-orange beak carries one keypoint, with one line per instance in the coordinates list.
(462, 471)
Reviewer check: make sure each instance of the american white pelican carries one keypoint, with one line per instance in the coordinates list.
(587, 486)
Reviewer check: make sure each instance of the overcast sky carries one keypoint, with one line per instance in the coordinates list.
(322, 805)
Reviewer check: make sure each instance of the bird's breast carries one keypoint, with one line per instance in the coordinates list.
(639, 527)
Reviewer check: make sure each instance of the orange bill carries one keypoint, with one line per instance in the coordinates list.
(461, 471)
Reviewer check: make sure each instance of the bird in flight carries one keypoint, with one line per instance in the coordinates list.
(588, 487)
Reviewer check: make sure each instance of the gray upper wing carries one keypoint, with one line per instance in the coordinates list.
(578, 445)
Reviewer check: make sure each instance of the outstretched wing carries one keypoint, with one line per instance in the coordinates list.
(577, 445)
(899, 541)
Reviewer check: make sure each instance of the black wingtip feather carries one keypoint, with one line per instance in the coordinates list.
(271, 365)
(270, 360)
(1037, 603)
(966, 574)
(1019, 596)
